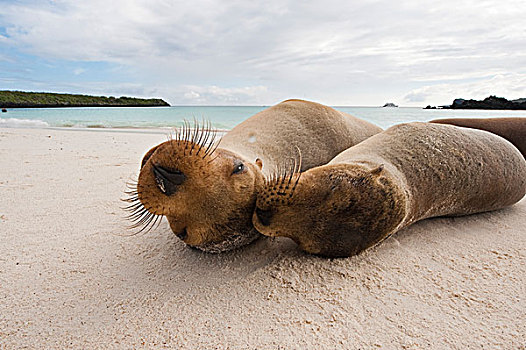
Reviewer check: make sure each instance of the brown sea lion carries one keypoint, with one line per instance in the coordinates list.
(407, 173)
(512, 129)
(208, 193)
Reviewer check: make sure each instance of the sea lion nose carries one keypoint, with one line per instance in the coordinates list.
(264, 216)
(167, 179)
(183, 234)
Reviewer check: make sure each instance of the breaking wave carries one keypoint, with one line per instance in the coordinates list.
(22, 123)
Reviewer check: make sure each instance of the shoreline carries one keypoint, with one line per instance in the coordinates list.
(224, 118)
(100, 128)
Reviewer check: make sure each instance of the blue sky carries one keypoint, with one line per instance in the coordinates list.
(212, 52)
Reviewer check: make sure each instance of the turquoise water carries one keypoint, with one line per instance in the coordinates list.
(223, 117)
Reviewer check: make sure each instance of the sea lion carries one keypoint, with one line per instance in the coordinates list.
(207, 190)
(407, 173)
(512, 129)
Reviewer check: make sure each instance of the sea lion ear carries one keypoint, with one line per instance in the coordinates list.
(377, 171)
(259, 163)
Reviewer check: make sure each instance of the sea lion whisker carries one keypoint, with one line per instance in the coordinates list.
(143, 220)
(148, 225)
(275, 177)
(210, 137)
(300, 159)
(131, 198)
(195, 134)
(134, 214)
(186, 136)
(133, 203)
(144, 224)
(132, 207)
(202, 133)
(156, 222)
(292, 172)
(130, 195)
(211, 141)
(278, 175)
(138, 215)
(204, 143)
(137, 225)
(176, 133)
(183, 131)
(213, 145)
(205, 135)
(211, 160)
(131, 185)
(296, 183)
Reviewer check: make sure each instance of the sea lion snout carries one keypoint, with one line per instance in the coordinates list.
(264, 216)
(183, 234)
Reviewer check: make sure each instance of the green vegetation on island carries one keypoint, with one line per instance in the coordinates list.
(491, 102)
(21, 99)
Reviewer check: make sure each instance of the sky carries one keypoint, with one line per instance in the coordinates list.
(220, 52)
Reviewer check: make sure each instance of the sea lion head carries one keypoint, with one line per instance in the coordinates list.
(208, 194)
(332, 210)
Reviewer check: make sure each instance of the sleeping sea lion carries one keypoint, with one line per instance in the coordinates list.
(512, 129)
(370, 191)
(207, 190)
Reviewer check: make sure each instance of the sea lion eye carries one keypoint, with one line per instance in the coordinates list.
(238, 168)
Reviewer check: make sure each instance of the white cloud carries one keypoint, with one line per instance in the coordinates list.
(225, 96)
(79, 71)
(336, 51)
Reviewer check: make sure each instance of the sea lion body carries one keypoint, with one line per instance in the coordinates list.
(407, 173)
(208, 194)
(275, 134)
(512, 129)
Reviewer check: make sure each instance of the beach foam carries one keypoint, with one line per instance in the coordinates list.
(22, 123)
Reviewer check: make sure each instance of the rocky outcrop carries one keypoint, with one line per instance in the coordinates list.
(491, 102)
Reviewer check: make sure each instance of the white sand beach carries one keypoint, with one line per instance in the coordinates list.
(72, 277)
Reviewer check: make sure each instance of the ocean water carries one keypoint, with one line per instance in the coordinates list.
(221, 117)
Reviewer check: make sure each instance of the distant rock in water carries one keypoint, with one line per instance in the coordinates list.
(389, 104)
(21, 99)
(491, 102)
(430, 107)
(4, 110)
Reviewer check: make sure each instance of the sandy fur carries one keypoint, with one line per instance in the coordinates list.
(212, 209)
(405, 174)
(512, 129)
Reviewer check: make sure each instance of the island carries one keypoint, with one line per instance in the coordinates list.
(390, 104)
(491, 102)
(22, 99)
